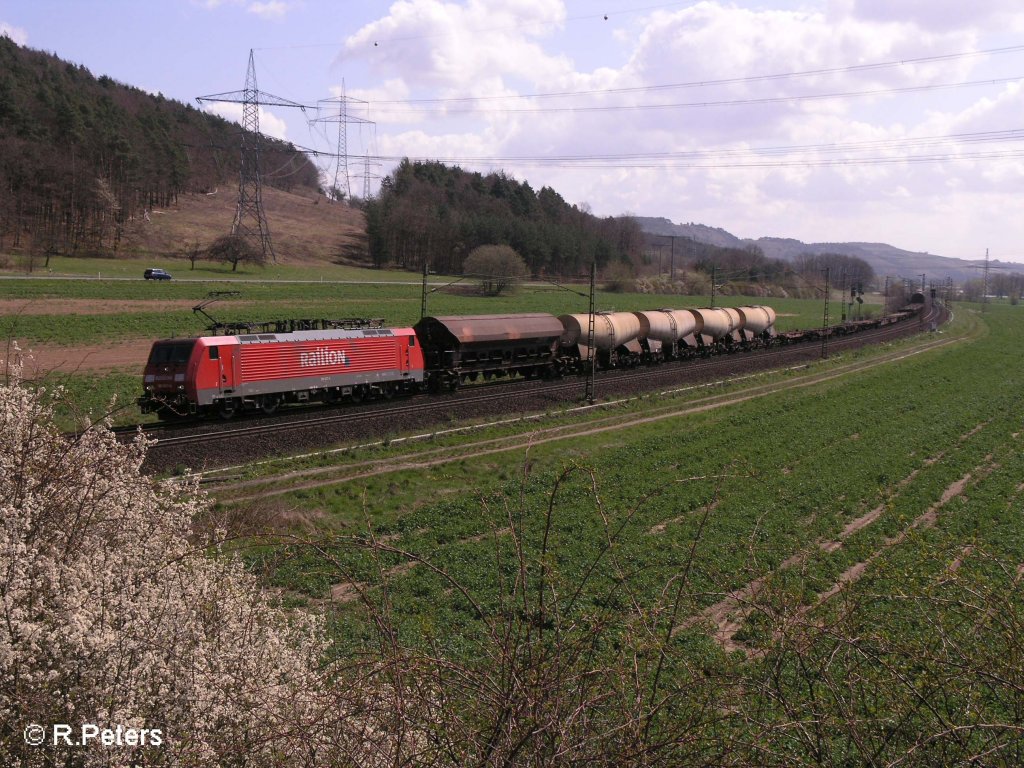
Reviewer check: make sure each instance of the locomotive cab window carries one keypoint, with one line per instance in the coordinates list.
(176, 353)
(215, 353)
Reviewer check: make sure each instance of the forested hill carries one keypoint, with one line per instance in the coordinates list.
(81, 156)
(434, 213)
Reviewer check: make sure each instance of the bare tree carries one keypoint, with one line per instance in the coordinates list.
(193, 252)
(235, 250)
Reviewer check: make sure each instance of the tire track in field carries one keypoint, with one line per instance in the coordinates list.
(728, 614)
(926, 519)
(347, 591)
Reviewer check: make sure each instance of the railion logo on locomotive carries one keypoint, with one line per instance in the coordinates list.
(322, 356)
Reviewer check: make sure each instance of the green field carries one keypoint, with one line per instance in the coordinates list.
(398, 304)
(868, 527)
(63, 266)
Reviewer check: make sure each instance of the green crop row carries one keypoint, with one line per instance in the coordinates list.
(918, 655)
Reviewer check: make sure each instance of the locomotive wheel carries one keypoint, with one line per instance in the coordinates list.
(387, 390)
(270, 403)
(228, 409)
(358, 393)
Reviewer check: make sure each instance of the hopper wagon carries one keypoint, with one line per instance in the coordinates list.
(465, 348)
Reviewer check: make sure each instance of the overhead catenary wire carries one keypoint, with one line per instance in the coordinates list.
(739, 80)
(756, 101)
(878, 145)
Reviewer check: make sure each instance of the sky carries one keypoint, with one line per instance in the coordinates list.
(895, 121)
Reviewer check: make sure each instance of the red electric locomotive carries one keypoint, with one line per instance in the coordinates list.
(227, 374)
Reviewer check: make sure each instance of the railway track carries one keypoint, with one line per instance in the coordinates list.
(212, 444)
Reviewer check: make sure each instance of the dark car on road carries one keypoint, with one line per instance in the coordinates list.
(156, 274)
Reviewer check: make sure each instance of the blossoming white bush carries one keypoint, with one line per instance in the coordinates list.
(111, 615)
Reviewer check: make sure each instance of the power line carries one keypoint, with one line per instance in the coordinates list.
(583, 163)
(707, 104)
(877, 145)
(783, 156)
(723, 81)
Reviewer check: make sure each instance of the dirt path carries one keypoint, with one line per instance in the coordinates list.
(89, 306)
(129, 356)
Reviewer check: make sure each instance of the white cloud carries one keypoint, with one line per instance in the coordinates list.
(16, 34)
(943, 15)
(271, 9)
(434, 49)
(470, 49)
(266, 9)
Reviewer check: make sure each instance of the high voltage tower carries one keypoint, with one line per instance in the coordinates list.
(250, 220)
(343, 118)
(367, 176)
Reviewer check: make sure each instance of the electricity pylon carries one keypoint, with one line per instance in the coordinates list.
(250, 220)
(343, 118)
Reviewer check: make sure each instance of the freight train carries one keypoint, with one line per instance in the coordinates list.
(228, 374)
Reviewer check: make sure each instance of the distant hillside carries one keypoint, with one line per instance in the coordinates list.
(884, 259)
(699, 232)
(84, 158)
(305, 228)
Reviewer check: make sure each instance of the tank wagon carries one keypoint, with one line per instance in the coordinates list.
(228, 374)
(667, 334)
(616, 339)
(262, 371)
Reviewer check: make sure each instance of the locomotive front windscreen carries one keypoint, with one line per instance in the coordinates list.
(172, 352)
